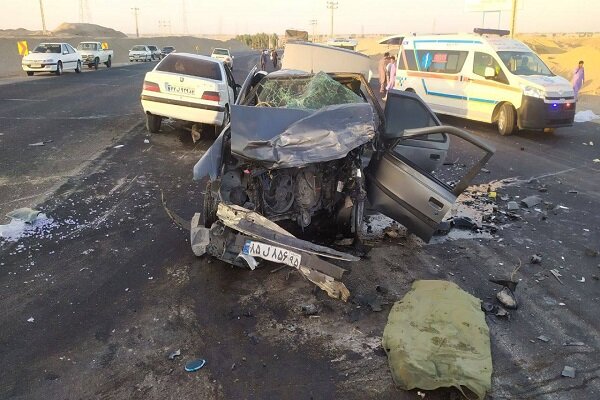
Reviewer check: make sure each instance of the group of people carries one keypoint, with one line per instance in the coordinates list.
(387, 74)
(264, 58)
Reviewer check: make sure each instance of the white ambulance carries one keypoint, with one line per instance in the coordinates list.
(485, 77)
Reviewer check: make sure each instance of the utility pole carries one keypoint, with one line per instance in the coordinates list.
(135, 12)
(43, 18)
(313, 22)
(513, 18)
(332, 5)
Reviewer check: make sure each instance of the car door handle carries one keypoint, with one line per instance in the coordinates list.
(436, 204)
(434, 156)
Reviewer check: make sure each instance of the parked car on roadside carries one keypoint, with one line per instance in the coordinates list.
(155, 51)
(188, 87)
(52, 57)
(304, 151)
(165, 51)
(223, 55)
(93, 54)
(140, 53)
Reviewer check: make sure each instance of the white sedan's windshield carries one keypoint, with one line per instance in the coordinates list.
(524, 63)
(47, 48)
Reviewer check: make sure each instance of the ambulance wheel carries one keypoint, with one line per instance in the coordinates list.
(506, 119)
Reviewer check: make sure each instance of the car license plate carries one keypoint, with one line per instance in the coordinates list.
(36, 65)
(272, 253)
(180, 89)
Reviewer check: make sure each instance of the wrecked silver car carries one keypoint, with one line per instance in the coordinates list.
(306, 151)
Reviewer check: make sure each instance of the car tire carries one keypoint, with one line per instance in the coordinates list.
(59, 68)
(29, 73)
(209, 206)
(153, 123)
(506, 119)
(96, 62)
(108, 62)
(78, 68)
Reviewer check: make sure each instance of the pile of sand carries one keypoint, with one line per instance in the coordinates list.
(560, 52)
(88, 30)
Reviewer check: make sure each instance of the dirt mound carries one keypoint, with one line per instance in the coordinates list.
(88, 30)
(19, 32)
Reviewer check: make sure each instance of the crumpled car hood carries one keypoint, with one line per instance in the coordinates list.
(287, 138)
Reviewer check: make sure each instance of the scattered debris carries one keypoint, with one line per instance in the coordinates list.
(507, 298)
(393, 231)
(568, 372)
(569, 343)
(174, 354)
(501, 313)
(572, 192)
(443, 228)
(25, 222)
(118, 146)
(421, 395)
(310, 309)
(485, 170)
(24, 214)
(42, 143)
(195, 365)
(146, 141)
(536, 259)
(196, 135)
(557, 275)
(585, 116)
(543, 338)
(531, 201)
(596, 160)
(512, 206)
(582, 280)
(464, 222)
(30, 319)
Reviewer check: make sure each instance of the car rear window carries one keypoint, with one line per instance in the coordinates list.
(221, 52)
(138, 48)
(190, 66)
(47, 48)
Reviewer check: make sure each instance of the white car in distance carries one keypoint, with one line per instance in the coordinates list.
(188, 87)
(140, 53)
(223, 55)
(52, 57)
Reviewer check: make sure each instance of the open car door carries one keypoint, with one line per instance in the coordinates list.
(396, 185)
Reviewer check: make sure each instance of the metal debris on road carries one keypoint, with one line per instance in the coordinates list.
(536, 259)
(118, 146)
(543, 338)
(531, 201)
(174, 354)
(42, 143)
(30, 319)
(569, 343)
(195, 365)
(557, 275)
(568, 372)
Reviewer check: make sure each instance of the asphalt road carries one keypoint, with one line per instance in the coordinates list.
(111, 286)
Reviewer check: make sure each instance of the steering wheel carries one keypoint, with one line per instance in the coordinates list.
(263, 104)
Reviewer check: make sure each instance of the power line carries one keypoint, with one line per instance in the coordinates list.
(135, 12)
(332, 5)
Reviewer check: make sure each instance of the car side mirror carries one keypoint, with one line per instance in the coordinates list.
(489, 73)
(65, 52)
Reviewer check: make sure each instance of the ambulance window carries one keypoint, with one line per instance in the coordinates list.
(483, 60)
(444, 61)
(410, 63)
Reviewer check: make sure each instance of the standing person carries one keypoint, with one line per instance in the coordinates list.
(275, 58)
(578, 78)
(391, 75)
(382, 66)
(263, 60)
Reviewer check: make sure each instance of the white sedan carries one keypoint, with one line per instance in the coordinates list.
(223, 55)
(188, 87)
(52, 57)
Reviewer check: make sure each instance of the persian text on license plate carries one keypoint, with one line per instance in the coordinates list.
(190, 91)
(272, 253)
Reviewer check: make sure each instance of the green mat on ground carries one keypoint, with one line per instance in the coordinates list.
(436, 336)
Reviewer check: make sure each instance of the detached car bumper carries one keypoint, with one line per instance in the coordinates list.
(184, 110)
(537, 113)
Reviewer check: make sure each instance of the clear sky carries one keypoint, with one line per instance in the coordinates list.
(251, 16)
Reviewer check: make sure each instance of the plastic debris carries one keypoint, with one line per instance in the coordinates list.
(568, 372)
(557, 275)
(531, 201)
(174, 354)
(24, 214)
(543, 338)
(582, 280)
(30, 319)
(42, 143)
(118, 146)
(194, 365)
(146, 141)
(536, 259)
(512, 206)
(507, 298)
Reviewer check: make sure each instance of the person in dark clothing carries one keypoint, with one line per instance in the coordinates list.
(263, 60)
(274, 57)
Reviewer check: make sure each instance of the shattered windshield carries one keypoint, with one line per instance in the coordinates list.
(47, 48)
(524, 63)
(303, 92)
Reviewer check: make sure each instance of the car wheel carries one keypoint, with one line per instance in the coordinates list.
(108, 62)
(209, 206)
(59, 68)
(96, 62)
(29, 73)
(78, 68)
(153, 123)
(506, 119)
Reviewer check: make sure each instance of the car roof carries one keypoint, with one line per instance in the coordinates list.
(198, 57)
